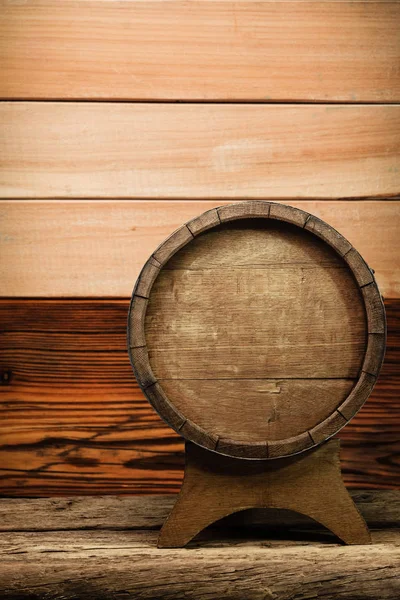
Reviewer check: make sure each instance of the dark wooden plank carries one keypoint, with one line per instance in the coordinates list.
(73, 420)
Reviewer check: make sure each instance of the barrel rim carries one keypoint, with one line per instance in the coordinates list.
(373, 357)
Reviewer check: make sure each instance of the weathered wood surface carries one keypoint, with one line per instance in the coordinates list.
(170, 150)
(79, 248)
(247, 50)
(380, 508)
(106, 548)
(74, 420)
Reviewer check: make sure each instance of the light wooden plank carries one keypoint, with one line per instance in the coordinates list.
(247, 50)
(97, 248)
(103, 150)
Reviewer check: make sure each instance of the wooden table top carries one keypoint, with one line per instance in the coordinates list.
(105, 548)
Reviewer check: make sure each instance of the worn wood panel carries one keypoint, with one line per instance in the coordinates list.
(380, 508)
(181, 314)
(90, 559)
(261, 409)
(73, 420)
(97, 248)
(282, 305)
(125, 565)
(223, 50)
(249, 245)
(108, 150)
(280, 287)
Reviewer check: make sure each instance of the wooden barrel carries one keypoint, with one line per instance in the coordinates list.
(256, 330)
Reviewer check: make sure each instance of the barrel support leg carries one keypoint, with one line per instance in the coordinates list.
(216, 486)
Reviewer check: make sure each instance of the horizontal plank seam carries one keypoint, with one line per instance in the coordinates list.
(259, 267)
(254, 378)
(100, 299)
(202, 198)
(200, 100)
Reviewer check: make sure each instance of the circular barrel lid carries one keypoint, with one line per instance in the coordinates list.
(256, 330)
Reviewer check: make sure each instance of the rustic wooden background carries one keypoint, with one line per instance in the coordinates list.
(119, 121)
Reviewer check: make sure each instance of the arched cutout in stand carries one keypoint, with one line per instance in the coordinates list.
(216, 486)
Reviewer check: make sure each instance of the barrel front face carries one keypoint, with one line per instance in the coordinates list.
(256, 330)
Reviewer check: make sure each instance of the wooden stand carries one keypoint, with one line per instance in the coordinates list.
(216, 486)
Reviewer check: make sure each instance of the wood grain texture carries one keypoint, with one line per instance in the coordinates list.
(139, 150)
(126, 565)
(230, 561)
(75, 422)
(180, 326)
(380, 508)
(80, 248)
(254, 404)
(224, 50)
(310, 484)
(256, 302)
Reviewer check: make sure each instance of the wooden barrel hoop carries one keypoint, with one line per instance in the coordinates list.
(256, 330)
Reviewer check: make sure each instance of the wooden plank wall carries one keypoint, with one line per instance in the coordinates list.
(119, 121)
